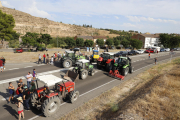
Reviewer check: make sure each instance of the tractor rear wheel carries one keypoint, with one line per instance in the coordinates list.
(34, 98)
(67, 63)
(108, 67)
(98, 65)
(51, 106)
(73, 96)
(84, 74)
(131, 69)
(92, 72)
(125, 71)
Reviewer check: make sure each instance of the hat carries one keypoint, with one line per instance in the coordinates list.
(19, 98)
(25, 86)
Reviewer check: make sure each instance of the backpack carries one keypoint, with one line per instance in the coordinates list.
(17, 91)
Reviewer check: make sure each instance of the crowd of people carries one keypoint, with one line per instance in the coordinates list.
(23, 92)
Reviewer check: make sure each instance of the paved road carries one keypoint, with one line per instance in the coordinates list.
(88, 88)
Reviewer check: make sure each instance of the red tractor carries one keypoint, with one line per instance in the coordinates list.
(48, 101)
(105, 61)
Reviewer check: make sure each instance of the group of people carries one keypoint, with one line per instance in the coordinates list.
(47, 59)
(23, 93)
(2, 63)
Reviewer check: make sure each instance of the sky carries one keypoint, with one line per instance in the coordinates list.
(154, 16)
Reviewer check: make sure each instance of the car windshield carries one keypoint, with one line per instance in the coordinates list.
(106, 56)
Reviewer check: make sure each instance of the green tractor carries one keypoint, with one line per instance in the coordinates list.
(70, 58)
(123, 65)
(84, 68)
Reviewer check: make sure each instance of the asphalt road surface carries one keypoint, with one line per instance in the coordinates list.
(89, 88)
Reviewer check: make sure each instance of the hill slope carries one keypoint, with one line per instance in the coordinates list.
(28, 23)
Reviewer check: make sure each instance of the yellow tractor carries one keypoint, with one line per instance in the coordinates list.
(95, 56)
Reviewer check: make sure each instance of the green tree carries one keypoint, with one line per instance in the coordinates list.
(79, 42)
(116, 42)
(70, 42)
(125, 43)
(15, 36)
(165, 40)
(30, 39)
(45, 38)
(136, 43)
(89, 43)
(100, 42)
(174, 41)
(109, 41)
(7, 23)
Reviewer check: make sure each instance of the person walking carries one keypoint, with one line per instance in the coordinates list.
(26, 98)
(34, 75)
(155, 60)
(149, 55)
(39, 60)
(20, 107)
(29, 77)
(11, 92)
(44, 56)
(1, 65)
(4, 61)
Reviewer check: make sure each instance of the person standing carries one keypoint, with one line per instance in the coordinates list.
(47, 59)
(39, 60)
(155, 60)
(107, 49)
(44, 56)
(20, 107)
(4, 61)
(58, 55)
(149, 55)
(19, 90)
(51, 63)
(11, 92)
(26, 97)
(64, 54)
(28, 77)
(34, 75)
(1, 65)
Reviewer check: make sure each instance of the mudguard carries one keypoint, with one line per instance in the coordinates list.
(125, 66)
(100, 59)
(108, 61)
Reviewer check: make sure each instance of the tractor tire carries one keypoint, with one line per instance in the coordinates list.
(34, 98)
(84, 74)
(92, 72)
(131, 69)
(108, 67)
(98, 65)
(125, 71)
(67, 63)
(73, 96)
(51, 106)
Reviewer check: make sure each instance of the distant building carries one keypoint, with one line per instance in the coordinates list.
(149, 40)
(99, 37)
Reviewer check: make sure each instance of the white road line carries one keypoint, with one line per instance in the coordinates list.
(28, 66)
(13, 69)
(35, 117)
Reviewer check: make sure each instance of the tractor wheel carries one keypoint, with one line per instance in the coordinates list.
(84, 74)
(125, 71)
(92, 72)
(98, 65)
(67, 63)
(108, 67)
(34, 98)
(51, 106)
(73, 96)
(131, 69)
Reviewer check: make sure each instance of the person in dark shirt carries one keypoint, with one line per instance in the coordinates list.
(1, 65)
(4, 61)
(26, 98)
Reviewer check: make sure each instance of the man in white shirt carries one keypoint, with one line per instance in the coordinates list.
(29, 77)
(39, 59)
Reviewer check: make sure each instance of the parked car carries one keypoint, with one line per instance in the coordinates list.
(41, 49)
(166, 49)
(121, 53)
(133, 52)
(178, 49)
(19, 50)
(140, 51)
(149, 51)
(162, 50)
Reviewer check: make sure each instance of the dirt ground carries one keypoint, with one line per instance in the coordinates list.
(26, 57)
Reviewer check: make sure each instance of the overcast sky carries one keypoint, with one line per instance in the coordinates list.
(154, 16)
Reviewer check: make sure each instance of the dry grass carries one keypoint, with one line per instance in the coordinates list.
(153, 94)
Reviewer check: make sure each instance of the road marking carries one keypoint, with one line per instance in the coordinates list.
(35, 117)
(28, 66)
(13, 68)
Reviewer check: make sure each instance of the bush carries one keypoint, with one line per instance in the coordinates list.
(14, 43)
(50, 46)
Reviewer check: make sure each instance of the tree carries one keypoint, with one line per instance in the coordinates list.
(116, 42)
(7, 23)
(70, 42)
(30, 39)
(89, 43)
(174, 41)
(125, 43)
(100, 42)
(45, 38)
(136, 43)
(165, 39)
(109, 41)
(79, 42)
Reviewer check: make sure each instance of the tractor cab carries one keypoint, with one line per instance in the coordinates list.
(95, 56)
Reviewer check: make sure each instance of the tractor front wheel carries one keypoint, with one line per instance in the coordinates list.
(92, 72)
(67, 63)
(84, 74)
(125, 71)
(51, 106)
(131, 69)
(34, 98)
(73, 96)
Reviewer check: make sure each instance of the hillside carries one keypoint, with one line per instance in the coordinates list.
(28, 23)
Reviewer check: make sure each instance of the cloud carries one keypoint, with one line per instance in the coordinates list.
(128, 25)
(149, 19)
(116, 17)
(5, 3)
